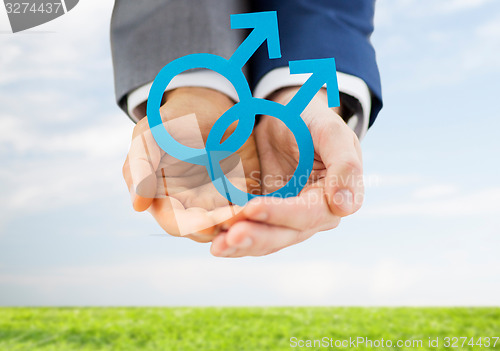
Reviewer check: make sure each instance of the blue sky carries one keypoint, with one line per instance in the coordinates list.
(428, 233)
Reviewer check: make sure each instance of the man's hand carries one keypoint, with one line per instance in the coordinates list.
(180, 195)
(335, 188)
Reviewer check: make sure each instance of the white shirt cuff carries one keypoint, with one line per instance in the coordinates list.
(201, 78)
(280, 78)
(274, 80)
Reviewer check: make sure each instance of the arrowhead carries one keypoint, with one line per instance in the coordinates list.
(324, 71)
(265, 24)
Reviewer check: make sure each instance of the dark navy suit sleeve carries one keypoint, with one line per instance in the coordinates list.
(311, 29)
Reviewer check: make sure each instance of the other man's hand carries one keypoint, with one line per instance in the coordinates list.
(335, 188)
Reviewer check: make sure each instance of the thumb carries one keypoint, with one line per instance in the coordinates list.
(339, 150)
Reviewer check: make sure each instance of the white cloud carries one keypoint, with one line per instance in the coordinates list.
(108, 138)
(65, 48)
(174, 279)
(480, 203)
(57, 114)
(388, 11)
(266, 281)
(69, 166)
(439, 55)
(453, 6)
(434, 191)
(62, 139)
(391, 180)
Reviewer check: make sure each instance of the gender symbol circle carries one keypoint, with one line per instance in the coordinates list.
(244, 112)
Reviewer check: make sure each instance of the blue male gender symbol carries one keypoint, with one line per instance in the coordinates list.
(265, 27)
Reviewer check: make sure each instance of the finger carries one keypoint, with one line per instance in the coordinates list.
(337, 146)
(126, 175)
(143, 160)
(308, 211)
(255, 239)
(201, 238)
(195, 223)
(220, 248)
(226, 216)
(139, 203)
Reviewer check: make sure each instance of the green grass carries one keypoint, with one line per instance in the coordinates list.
(256, 329)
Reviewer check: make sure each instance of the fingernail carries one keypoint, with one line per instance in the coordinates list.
(344, 200)
(245, 244)
(228, 252)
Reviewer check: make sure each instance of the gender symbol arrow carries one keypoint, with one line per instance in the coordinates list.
(323, 72)
(265, 27)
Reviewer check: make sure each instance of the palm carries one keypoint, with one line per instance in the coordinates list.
(279, 155)
(336, 177)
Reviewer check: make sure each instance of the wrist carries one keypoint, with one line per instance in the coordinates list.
(284, 95)
(204, 102)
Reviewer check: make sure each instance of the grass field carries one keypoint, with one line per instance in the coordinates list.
(256, 329)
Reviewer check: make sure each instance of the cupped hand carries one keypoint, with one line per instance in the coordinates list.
(334, 189)
(180, 195)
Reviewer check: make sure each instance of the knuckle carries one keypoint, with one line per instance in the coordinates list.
(319, 221)
(335, 127)
(339, 124)
(331, 224)
(351, 163)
